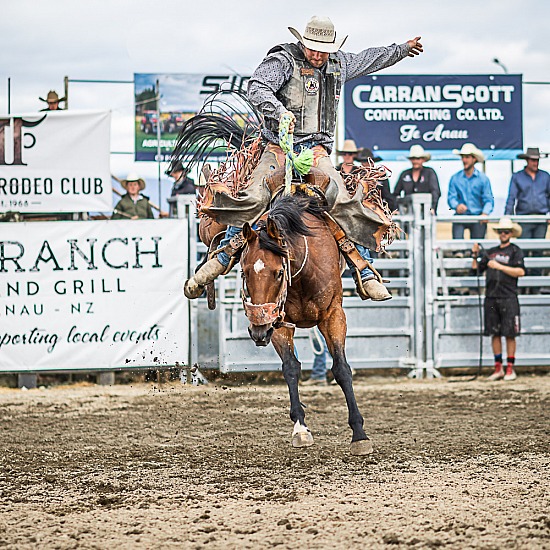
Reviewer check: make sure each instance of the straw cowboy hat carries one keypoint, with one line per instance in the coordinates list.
(349, 147)
(133, 177)
(365, 154)
(319, 35)
(470, 149)
(52, 96)
(508, 225)
(531, 153)
(417, 152)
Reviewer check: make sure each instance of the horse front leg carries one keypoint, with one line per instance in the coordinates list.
(334, 330)
(283, 342)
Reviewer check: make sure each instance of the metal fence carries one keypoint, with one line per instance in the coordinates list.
(432, 322)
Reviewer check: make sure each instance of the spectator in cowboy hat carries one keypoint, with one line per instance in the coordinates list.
(366, 158)
(52, 99)
(504, 265)
(349, 152)
(470, 193)
(133, 205)
(419, 178)
(183, 185)
(529, 194)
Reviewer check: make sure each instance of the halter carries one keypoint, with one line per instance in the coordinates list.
(273, 312)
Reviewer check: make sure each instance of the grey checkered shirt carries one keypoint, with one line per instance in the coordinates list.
(276, 69)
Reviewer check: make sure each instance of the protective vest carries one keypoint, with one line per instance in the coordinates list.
(311, 94)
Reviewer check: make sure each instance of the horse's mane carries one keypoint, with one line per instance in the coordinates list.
(288, 215)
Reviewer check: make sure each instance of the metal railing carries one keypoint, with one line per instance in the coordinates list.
(431, 323)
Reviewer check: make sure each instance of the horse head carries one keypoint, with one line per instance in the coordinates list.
(265, 281)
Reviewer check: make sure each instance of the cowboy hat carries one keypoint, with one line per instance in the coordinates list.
(365, 154)
(417, 152)
(52, 96)
(319, 35)
(349, 147)
(470, 149)
(133, 177)
(508, 225)
(531, 153)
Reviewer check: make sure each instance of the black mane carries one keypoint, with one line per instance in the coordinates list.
(287, 213)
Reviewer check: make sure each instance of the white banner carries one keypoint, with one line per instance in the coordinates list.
(92, 295)
(55, 161)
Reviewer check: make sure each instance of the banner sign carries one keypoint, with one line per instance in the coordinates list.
(55, 161)
(181, 97)
(391, 113)
(92, 295)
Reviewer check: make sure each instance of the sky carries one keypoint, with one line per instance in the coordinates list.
(42, 42)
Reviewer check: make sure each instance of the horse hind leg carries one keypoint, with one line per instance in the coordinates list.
(335, 333)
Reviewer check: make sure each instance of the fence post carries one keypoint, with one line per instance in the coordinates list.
(186, 205)
(422, 284)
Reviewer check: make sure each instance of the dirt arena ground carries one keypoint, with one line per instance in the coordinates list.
(456, 465)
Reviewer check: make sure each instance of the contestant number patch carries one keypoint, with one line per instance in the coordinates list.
(311, 86)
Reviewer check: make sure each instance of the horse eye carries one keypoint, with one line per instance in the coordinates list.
(280, 274)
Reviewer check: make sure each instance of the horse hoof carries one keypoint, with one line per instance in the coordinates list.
(302, 439)
(361, 448)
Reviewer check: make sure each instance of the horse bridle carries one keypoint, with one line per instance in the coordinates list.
(272, 312)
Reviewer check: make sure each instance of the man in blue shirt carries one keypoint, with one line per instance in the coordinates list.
(470, 193)
(529, 193)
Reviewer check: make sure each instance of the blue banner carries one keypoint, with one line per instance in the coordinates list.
(391, 113)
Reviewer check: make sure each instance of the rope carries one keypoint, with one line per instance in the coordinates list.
(301, 162)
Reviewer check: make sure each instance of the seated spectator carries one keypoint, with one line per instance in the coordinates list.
(419, 178)
(349, 152)
(529, 194)
(133, 205)
(363, 157)
(470, 193)
(52, 99)
(183, 184)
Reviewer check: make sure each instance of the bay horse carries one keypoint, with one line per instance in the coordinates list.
(291, 278)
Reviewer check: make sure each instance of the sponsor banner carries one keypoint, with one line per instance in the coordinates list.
(55, 161)
(181, 97)
(389, 114)
(92, 295)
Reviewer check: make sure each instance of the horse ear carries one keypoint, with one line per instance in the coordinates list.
(273, 230)
(248, 233)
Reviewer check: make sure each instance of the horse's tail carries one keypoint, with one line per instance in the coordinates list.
(227, 120)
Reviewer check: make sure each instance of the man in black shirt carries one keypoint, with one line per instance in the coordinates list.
(419, 178)
(183, 185)
(504, 265)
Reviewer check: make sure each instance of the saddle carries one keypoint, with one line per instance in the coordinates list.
(315, 182)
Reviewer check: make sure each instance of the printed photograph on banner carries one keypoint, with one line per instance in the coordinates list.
(93, 294)
(181, 96)
(55, 161)
(389, 114)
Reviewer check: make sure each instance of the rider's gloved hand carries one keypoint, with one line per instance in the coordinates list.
(292, 120)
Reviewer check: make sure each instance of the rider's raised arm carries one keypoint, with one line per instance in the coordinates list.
(270, 76)
(372, 59)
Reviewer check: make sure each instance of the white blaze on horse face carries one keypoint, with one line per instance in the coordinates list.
(259, 265)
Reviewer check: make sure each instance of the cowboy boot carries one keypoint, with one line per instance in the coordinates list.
(377, 291)
(372, 288)
(194, 286)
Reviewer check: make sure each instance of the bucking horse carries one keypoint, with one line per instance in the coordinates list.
(290, 260)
